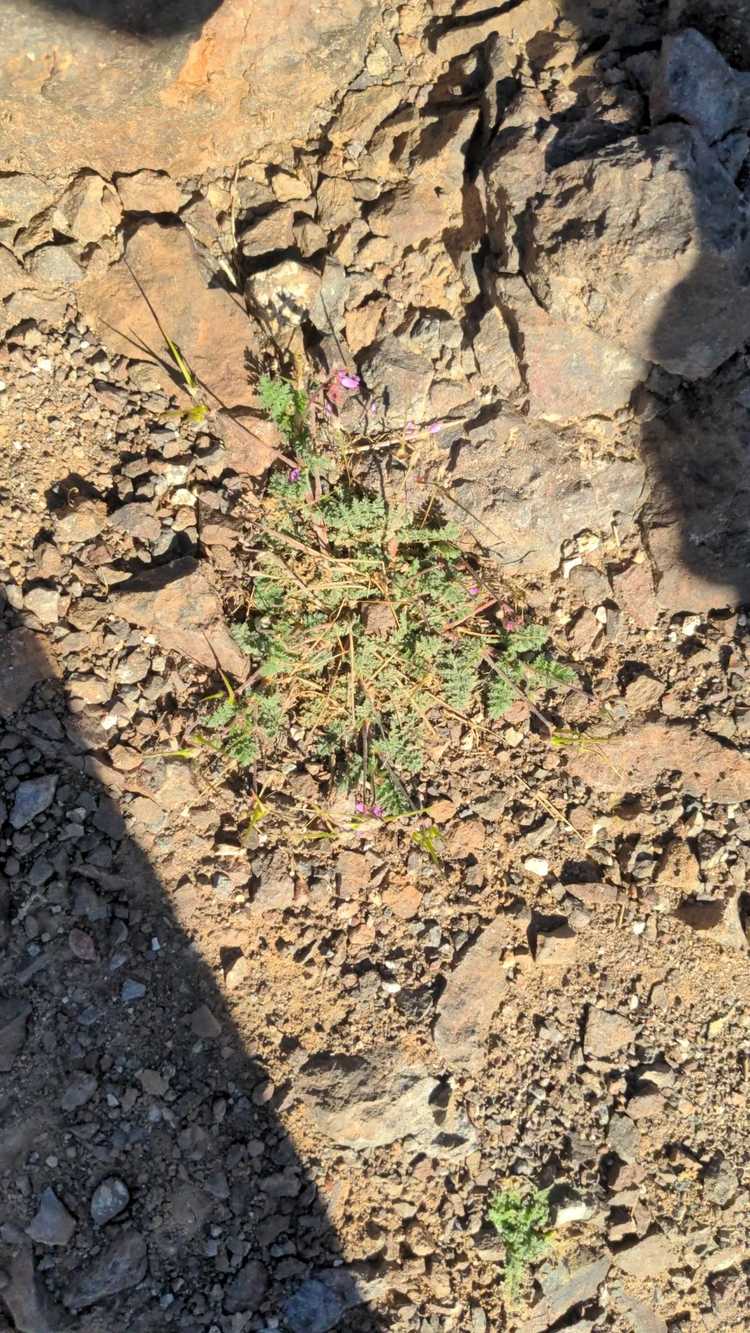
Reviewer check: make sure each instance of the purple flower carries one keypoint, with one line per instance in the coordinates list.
(410, 428)
(360, 807)
(295, 473)
(328, 408)
(377, 811)
(373, 407)
(347, 380)
(434, 427)
(473, 590)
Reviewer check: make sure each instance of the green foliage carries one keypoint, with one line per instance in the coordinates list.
(243, 725)
(365, 620)
(522, 1222)
(286, 406)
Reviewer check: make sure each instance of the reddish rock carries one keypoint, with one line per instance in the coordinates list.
(176, 604)
(474, 991)
(647, 753)
(404, 901)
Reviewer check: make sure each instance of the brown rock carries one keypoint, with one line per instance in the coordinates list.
(557, 948)
(473, 993)
(207, 324)
(678, 866)
(176, 604)
(634, 592)
(404, 901)
(354, 873)
(718, 917)
(606, 1034)
(685, 585)
(497, 361)
(149, 192)
(180, 103)
(23, 664)
(367, 1101)
(643, 693)
(648, 1258)
(646, 753)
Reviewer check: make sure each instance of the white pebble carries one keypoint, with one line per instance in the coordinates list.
(536, 865)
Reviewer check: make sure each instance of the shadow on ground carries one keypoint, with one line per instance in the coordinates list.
(146, 18)
(126, 1090)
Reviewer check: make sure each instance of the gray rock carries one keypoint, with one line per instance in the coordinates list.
(400, 378)
(523, 492)
(636, 239)
(647, 1258)
(31, 1307)
(624, 1138)
(56, 264)
(32, 798)
(322, 1300)
(694, 83)
(313, 1308)
(44, 603)
(132, 990)
(121, 1266)
(244, 1294)
(109, 1199)
(4, 911)
(79, 1091)
(52, 1224)
(13, 1017)
(563, 1291)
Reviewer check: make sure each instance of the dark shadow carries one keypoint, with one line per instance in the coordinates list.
(142, 18)
(693, 402)
(119, 1057)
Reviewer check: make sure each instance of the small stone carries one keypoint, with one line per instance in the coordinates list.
(23, 663)
(152, 1082)
(624, 1138)
(32, 798)
(643, 693)
(52, 1224)
(606, 1034)
(404, 901)
(132, 990)
(109, 1199)
(678, 867)
(82, 946)
(83, 524)
(44, 603)
(245, 1292)
(204, 1024)
(121, 1266)
(537, 866)
(557, 948)
(14, 1016)
(79, 1091)
(275, 889)
(354, 873)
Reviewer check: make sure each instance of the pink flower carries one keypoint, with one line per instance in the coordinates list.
(473, 590)
(328, 407)
(295, 473)
(410, 428)
(434, 427)
(348, 380)
(360, 807)
(373, 407)
(377, 811)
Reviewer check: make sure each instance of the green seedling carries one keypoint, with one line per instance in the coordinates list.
(522, 1221)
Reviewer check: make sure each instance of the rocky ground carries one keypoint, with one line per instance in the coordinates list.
(274, 1083)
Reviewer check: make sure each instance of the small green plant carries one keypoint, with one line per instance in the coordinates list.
(522, 1222)
(367, 630)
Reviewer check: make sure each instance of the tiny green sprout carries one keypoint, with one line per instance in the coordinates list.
(522, 1221)
(428, 841)
(575, 740)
